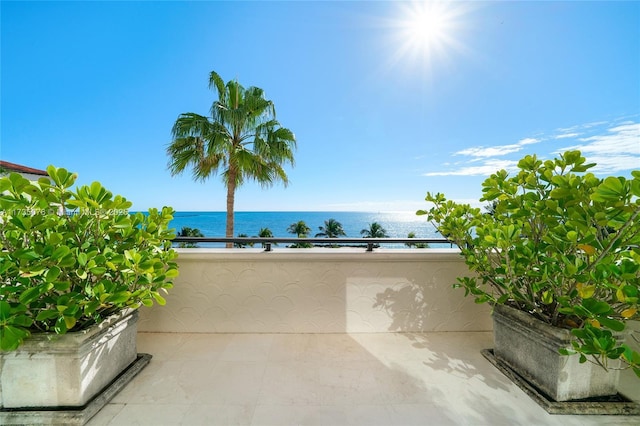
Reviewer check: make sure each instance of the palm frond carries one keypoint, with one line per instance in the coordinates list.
(215, 81)
(183, 152)
(191, 124)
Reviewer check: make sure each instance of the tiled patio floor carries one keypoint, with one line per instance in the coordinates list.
(326, 379)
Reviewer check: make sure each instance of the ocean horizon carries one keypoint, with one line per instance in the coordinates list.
(213, 223)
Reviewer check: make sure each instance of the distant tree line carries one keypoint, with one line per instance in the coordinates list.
(331, 229)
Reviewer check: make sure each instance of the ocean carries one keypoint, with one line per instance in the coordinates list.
(397, 224)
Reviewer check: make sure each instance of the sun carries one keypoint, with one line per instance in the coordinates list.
(427, 32)
(426, 26)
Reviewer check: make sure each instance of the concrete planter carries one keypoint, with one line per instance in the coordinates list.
(530, 348)
(51, 370)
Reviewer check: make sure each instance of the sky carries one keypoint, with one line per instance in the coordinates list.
(388, 100)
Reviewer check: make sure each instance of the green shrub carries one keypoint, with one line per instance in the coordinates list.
(69, 259)
(560, 244)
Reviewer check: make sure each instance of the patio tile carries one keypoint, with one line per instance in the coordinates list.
(349, 382)
(341, 347)
(422, 414)
(295, 347)
(290, 383)
(267, 415)
(372, 415)
(158, 383)
(161, 345)
(247, 347)
(326, 379)
(106, 415)
(146, 414)
(216, 414)
(206, 347)
(230, 382)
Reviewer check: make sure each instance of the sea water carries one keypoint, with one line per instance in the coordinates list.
(396, 224)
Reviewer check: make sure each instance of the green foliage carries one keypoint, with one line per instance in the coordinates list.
(559, 243)
(416, 245)
(375, 230)
(299, 228)
(241, 244)
(69, 259)
(331, 229)
(189, 232)
(266, 233)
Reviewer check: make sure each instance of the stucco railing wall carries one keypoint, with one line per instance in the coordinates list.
(316, 291)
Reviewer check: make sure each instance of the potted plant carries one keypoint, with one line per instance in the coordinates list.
(74, 267)
(559, 251)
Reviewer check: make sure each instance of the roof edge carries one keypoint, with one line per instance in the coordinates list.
(12, 167)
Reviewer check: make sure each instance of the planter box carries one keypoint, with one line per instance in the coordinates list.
(530, 348)
(51, 370)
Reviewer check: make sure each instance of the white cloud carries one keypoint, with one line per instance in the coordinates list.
(594, 124)
(566, 135)
(489, 151)
(613, 163)
(528, 141)
(625, 138)
(617, 150)
(613, 149)
(483, 157)
(489, 167)
(578, 129)
(495, 151)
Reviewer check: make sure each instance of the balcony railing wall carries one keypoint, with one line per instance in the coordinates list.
(319, 290)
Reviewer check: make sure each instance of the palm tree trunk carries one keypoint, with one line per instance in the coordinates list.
(231, 196)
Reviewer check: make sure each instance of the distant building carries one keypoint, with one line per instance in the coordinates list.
(27, 172)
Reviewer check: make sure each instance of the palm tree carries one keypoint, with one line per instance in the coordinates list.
(240, 244)
(331, 229)
(301, 229)
(240, 140)
(375, 231)
(189, 232)
(416, 245)
(265, 233)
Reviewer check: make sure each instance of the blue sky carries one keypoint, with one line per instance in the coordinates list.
(388, 100)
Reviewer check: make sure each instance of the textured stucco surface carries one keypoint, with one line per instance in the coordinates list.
(316, 291)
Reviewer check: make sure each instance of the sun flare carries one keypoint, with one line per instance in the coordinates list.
(428, 31)
(426, 26)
